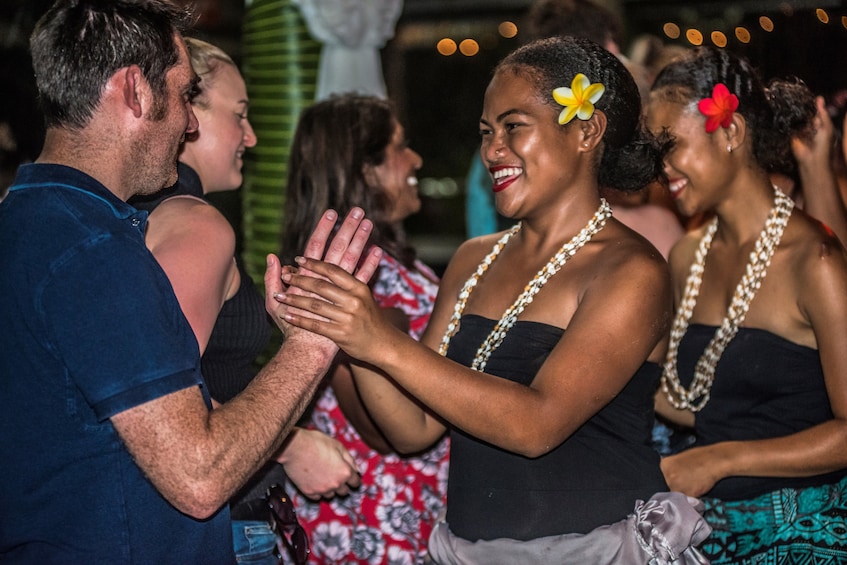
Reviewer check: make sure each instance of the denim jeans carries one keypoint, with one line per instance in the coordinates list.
(254, 542)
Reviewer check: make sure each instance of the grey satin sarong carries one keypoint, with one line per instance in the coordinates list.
(662, 531)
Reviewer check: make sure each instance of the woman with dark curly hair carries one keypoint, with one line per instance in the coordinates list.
(756, 360)
(351, 151)
(542, 354)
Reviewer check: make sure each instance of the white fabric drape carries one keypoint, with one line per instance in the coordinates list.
(352, 33)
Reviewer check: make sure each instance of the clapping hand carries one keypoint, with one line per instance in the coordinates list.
(345, 250)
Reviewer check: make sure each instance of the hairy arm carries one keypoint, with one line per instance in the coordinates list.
(198, 458)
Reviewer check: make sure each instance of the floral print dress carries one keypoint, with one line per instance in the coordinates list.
(388, 519)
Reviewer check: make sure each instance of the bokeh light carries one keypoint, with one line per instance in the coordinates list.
(694, 36)
(671, 30)
(469, 47)
(822, 15)
(446, 46)
(507, 29)
(742, 34)
(766, 23)
(719, 39)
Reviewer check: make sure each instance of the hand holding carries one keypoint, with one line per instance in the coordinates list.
(318, 465)
(344, 250)
(339, 306)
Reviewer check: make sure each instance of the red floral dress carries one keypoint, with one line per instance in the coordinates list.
(389, 518)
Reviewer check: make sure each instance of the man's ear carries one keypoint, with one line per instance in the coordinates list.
(134, 89)
(592, 131)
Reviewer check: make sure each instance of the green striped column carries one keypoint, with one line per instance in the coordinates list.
(280, 66)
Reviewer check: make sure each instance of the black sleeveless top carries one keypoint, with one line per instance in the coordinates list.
(594, 478)
(765, 387)
(241, 333)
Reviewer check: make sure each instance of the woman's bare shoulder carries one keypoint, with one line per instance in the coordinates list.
(625, 248)
(812, 249)
(186, 220)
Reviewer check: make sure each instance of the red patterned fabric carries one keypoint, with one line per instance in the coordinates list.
(389, 518)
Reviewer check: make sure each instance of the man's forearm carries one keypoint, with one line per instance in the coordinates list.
(261, 417)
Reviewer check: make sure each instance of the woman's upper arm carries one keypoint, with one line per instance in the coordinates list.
(824, 300)
(195, 245)
(619, 321)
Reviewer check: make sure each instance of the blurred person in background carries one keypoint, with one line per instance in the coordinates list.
(351, 151)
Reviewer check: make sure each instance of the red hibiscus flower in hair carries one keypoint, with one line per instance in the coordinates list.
(719, 108)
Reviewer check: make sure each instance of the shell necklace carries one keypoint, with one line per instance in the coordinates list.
(696, 397)
(510, 316)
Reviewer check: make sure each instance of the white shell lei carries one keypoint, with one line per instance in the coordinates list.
(696, 397)
(510, 316)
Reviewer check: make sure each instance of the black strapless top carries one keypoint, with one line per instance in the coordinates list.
(765, 387)
(594, 478)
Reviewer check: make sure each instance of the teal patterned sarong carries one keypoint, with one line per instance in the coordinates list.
(806, 526)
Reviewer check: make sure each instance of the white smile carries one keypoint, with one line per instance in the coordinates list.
(677, 185)
(507, 172)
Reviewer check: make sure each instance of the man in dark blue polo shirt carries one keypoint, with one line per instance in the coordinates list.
(110, 449)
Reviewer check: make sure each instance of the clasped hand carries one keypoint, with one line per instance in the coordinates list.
(337, 305)
(344, 253)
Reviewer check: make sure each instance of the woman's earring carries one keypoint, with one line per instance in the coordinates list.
(729, 148)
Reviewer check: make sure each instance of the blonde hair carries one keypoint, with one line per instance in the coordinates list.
(206, 59)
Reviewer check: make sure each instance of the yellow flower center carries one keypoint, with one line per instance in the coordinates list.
(579, 99)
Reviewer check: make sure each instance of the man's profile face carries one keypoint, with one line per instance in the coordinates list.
(169, 119)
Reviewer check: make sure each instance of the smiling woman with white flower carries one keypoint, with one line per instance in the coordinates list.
(550, 334)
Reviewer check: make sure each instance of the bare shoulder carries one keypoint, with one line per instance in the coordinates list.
(181, 210)
(467, 258)
(185, 219)
(812, 251)
(628, 286)
(811, 267)
(627, 252)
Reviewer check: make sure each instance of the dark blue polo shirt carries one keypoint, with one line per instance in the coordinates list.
(89, 327)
